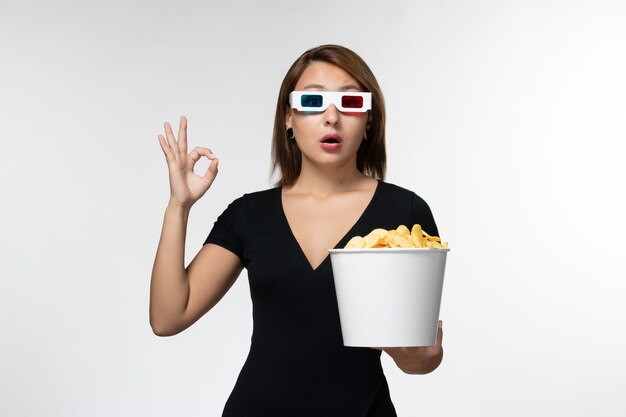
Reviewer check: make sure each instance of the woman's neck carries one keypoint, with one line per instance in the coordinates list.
(324, 181)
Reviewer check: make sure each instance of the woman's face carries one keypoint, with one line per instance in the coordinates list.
(329, 137)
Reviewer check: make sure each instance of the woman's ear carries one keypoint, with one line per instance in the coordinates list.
(288, 119)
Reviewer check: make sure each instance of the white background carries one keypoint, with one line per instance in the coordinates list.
(507, 117)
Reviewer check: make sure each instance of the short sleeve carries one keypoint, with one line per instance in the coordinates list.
(424, 216)
(227, 228)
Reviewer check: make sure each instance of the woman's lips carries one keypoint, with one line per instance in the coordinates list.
(330, 142)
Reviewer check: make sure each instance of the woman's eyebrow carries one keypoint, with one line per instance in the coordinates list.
(317, 86)
(350, 87)
(344, 88)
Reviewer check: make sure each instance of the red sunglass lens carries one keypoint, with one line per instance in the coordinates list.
(352, 102)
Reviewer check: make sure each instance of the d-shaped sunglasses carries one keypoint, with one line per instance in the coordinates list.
(318, 101)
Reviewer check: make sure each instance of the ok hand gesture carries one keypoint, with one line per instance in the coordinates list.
(186, 187)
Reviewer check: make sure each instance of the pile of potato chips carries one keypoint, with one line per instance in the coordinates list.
(398, 238)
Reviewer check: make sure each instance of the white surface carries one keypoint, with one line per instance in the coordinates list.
(388, 297)
(507, 117)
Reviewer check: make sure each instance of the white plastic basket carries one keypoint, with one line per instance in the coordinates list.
(389, 296)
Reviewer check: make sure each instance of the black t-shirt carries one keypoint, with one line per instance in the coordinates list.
(297, 365)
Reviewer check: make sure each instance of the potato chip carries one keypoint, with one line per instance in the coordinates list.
(375, 237)
(403, 230)
(396, 239)
(356, 242)
(418, 237)
(401, 237)
(431, 238)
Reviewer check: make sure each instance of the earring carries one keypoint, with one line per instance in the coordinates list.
(289, 134)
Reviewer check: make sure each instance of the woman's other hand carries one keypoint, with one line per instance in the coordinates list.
(186, 187)
(418, 359)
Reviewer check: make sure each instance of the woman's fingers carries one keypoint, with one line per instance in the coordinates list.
(211, 171)
(198, 152)
(170, 156)
(417, 349)
(172, 147)
(171, 140)
(176, 153)
(182, 135)
(195, 156)
(439, 333)
(164, 146)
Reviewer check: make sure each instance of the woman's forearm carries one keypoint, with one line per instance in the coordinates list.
(169, 288)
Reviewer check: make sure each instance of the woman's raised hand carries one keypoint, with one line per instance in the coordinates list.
(186, 187)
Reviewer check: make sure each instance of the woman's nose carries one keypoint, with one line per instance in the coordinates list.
(331, 115)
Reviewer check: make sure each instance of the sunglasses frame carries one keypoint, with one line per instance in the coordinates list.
(328, 98)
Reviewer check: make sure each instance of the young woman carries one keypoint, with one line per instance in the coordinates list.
(329, 148)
